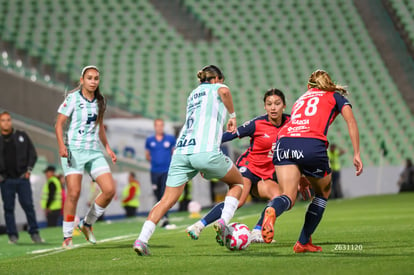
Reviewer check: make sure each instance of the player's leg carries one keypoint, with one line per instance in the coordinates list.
(171, 196)
(215, 213)
(265, 189)
(289, 178)
(313, 216)
(180, 172)
(73, 188)
(100, 171)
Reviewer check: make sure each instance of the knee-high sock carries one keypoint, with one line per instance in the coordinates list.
(312, 218)
(214, 214)
(230, 206)
(94, 213)
(146, 232)
(280, 204)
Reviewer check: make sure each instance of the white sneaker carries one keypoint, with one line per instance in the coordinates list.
(256, 236)
(193, 231)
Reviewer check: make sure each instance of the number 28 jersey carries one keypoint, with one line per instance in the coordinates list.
(313, 113)
(204, 122)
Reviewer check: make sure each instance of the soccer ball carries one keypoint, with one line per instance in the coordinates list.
(238, 236)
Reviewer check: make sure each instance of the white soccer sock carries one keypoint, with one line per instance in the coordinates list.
(230, 206)
(67, 229)
(94, 213)
(147, 230)
(200, 224)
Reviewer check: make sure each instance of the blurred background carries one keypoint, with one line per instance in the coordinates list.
(149, 53)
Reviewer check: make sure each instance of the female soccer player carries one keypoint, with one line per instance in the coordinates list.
(80, 151)
(255, 164)
(302, 148)
(198, 150)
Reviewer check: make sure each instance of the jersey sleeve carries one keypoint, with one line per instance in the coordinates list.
(147, 143)
(247, 129)
(341, 101)
(68, 105)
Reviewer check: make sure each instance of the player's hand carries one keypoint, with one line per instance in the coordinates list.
(232, 125)
(63, 151)
(111, 154)
(304, 188)
(359, 167)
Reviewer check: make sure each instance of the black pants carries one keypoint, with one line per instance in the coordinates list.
(130, 211)
(53, 218)
(21, 187)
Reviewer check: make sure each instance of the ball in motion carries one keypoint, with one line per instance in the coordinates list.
(238, 236)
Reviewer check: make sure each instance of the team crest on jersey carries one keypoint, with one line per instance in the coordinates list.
(21, 138)
(167, 144)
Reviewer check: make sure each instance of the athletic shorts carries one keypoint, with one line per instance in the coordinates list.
(309, 154)
(90, 161)
(246, 173)
(184, 167)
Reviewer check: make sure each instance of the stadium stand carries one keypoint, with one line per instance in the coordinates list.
(148, 68)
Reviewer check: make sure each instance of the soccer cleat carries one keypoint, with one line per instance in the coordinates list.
(256, 236)
(141, 248)
(67, 243)
(36, 238)
(87, 231)
(309, 247)
(268, 225)
(221, 232)
(193, 231)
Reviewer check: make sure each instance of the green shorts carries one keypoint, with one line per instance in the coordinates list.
(184, 167)
(78, 161)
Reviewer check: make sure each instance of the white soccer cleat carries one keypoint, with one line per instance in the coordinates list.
(193, 231)
(67, 243)
(221, 232)
(87, 231)
(256, 236)
(141, 248)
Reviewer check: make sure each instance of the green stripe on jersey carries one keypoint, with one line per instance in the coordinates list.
(205, 118)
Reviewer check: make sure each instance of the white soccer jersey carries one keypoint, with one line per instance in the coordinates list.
(204, 122)
(81, 132)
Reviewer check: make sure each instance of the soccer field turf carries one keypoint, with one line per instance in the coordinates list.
(359, 236)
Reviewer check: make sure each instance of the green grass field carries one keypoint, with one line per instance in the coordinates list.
(369, 235)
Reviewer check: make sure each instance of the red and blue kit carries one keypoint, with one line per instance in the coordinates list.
(303, 140)
(313, 113)
(258, 157)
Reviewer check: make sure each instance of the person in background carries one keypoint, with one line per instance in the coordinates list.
(158, 151)
(130, 195)
(52, 197)
(334, 154)
(17, 159)
(406, 181)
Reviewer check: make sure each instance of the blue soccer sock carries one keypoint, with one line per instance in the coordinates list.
(280, 204)
(213, 215)
(312, 218)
